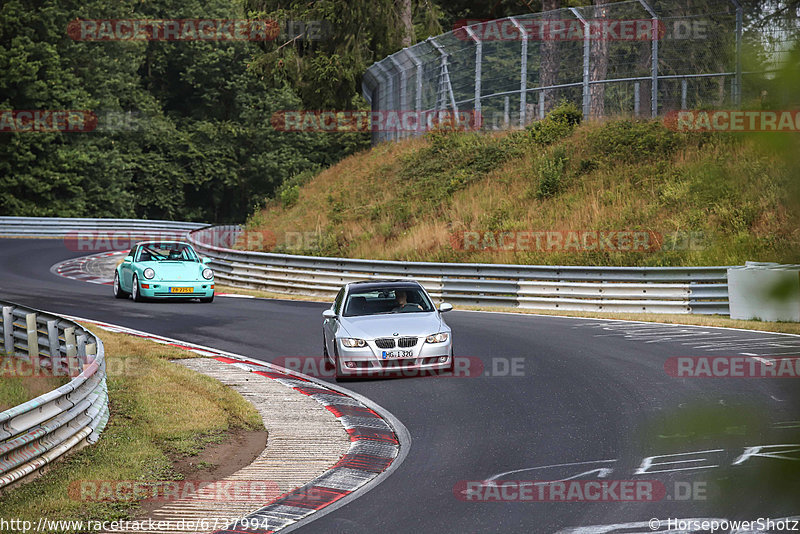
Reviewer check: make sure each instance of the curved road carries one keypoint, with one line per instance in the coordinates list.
(552, 391)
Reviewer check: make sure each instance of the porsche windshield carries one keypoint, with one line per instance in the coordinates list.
(166, 252)
(386, 300)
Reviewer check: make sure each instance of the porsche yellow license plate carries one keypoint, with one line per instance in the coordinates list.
(181, 290)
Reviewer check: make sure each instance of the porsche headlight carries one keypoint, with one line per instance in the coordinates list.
(208, 274)
(353, 342)
(149, 273)
(441, 337)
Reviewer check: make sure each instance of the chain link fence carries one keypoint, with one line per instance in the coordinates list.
(637, 58)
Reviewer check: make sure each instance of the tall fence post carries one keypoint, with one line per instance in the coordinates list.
(635, 99)
(478, 61)
(653, 58)
(737, 97)
(587, 102)
(541, 104)
(418, 89)
(523, 73)
(381, 104)
(683, 93)
(444, 91)
(402, 105)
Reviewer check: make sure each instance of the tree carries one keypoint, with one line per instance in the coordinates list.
(326, 71)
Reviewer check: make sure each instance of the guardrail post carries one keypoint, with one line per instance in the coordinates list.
(91, 352)
(8, 330)
(70, 344)
(33, 338)
(54, 346)
(82, 348)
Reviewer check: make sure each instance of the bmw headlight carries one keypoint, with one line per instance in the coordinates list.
(208, 274)
(353, 342)
(441, 337)
(149, 273)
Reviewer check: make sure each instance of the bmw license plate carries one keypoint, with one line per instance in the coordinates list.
(397, 354)
(181, 289)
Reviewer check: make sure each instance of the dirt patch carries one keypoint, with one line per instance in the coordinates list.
(235, 450)
(217, 460)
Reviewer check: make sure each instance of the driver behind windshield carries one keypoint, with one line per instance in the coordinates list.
(401, 298)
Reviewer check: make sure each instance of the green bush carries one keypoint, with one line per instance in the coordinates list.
(630, 141)
(557, 125)
(551, 172)
(289, 191)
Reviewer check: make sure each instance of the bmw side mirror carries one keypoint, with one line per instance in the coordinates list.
(445, 307)
(329, 314)
(127, 259)
(206, 260)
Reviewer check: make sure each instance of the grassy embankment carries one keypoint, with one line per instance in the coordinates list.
(736, 195)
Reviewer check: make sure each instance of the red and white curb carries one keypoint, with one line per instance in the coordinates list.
(379, 442)
(77, 268)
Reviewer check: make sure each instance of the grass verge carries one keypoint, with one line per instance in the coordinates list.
(160, 413)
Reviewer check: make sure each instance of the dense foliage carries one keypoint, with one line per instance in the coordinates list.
(183, 127)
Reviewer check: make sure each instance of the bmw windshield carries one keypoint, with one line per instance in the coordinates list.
(387, 300)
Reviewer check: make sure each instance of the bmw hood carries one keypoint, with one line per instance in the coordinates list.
(387, 325)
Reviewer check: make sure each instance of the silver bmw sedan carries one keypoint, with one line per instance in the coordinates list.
(385, 326)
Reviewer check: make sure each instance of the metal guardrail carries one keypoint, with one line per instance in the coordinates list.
(697, 290)
(63, 227)
(37, 432)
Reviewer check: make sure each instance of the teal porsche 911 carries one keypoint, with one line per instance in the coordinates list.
(163, 269)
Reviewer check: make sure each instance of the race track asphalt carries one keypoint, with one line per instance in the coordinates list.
(581, 391)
